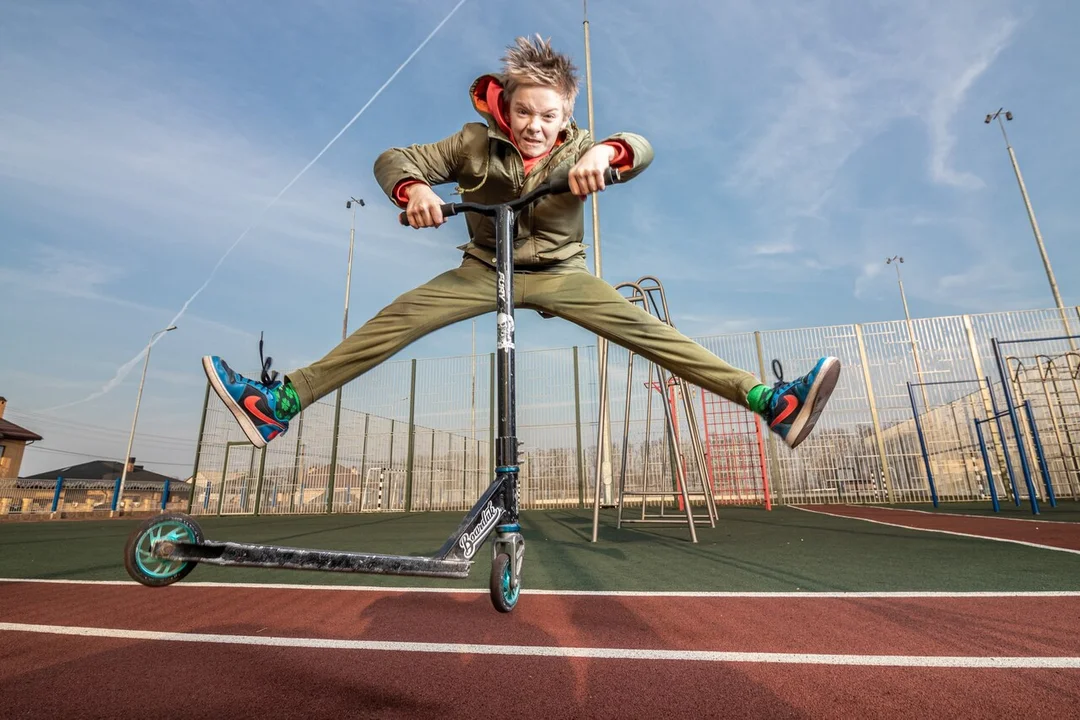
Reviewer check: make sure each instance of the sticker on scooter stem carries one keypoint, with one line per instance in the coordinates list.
(470, 541)
(504, 332)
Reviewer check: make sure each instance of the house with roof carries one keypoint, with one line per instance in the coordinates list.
(92, 486)
(13, 442)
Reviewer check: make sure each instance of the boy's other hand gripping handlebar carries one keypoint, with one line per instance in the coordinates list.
(553, 186)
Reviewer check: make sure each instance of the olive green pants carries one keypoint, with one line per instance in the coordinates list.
(469, 290)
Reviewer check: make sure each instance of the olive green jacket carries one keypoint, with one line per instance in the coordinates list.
(489, 169)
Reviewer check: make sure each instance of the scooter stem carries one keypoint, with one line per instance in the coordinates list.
(506, 456)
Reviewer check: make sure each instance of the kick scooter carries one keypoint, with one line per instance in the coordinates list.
(167, 547)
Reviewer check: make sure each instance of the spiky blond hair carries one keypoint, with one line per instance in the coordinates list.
(536, 63)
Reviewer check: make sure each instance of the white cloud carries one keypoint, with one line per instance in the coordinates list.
(868, 278)
(72, 274)
(968, 60)
(774, 248)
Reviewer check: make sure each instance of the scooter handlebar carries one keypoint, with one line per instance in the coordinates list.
(552, 187)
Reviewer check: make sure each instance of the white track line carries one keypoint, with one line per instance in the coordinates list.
(994, 517)
(558, 652)
(944, 532)
(808, 594)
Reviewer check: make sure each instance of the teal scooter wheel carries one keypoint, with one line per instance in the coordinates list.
(502, 596)
(140, 562)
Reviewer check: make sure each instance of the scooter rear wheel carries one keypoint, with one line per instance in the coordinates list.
(502, 596)
(140, 562)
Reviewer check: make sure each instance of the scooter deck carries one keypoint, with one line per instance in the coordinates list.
(273, 556)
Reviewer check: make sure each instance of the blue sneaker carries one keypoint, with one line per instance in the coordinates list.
(253, 403)
(794, 407)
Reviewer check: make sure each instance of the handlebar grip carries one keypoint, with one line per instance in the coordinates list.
(447, 211)
(562, 184)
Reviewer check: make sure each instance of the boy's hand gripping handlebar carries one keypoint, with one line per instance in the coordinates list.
(552, 186)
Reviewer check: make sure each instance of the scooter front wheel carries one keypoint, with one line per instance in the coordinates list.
(139, 559)
(503, 597)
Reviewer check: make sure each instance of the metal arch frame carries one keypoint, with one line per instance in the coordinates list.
(984, 384)
(652, 299)
(1001, 360)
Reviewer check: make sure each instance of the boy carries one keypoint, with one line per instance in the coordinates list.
(527, 135)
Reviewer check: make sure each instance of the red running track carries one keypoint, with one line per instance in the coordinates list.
(1057, 535)
(46, 675)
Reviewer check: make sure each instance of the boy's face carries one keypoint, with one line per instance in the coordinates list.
(537, 114)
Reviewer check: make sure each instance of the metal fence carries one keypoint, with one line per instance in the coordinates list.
(416, 434)
(75, 497)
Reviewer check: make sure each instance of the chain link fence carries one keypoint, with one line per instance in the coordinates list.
(416, 435)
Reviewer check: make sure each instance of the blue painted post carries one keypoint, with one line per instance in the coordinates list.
(115, 494)
(1041, 456)
(206, 497)
(1004, 443)
(1010, 406)
(165, 495)
(56, 493)
(922, 444)
(986, 464)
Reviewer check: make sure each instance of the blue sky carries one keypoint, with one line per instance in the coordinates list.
(798, 144)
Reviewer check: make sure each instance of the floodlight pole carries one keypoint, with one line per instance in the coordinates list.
(348, 274)
(344, 334)
(135, 418)
(603, 450)
(1031, 217)
(897, 260)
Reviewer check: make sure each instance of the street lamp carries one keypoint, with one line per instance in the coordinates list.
(603, 449)
(897, 261)
(135, 419)
(344, 334)
(1031, 214)
(348, 274)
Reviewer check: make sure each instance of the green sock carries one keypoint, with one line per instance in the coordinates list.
(758, 398)
(287, 404)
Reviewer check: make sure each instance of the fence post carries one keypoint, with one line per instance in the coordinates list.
(773, 458)
(363, 449)
(198, 448)
(224, 477)
(115, 494)
(465, 471)
(298, 460)
(259, 482)
(577, 428)
(333, 453)
(879, 439)
(390, 462)
(165, 495)
(410, 447)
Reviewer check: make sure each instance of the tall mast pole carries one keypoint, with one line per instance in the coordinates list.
(603, 446)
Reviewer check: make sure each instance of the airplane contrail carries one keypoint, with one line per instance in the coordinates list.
(126, 368)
